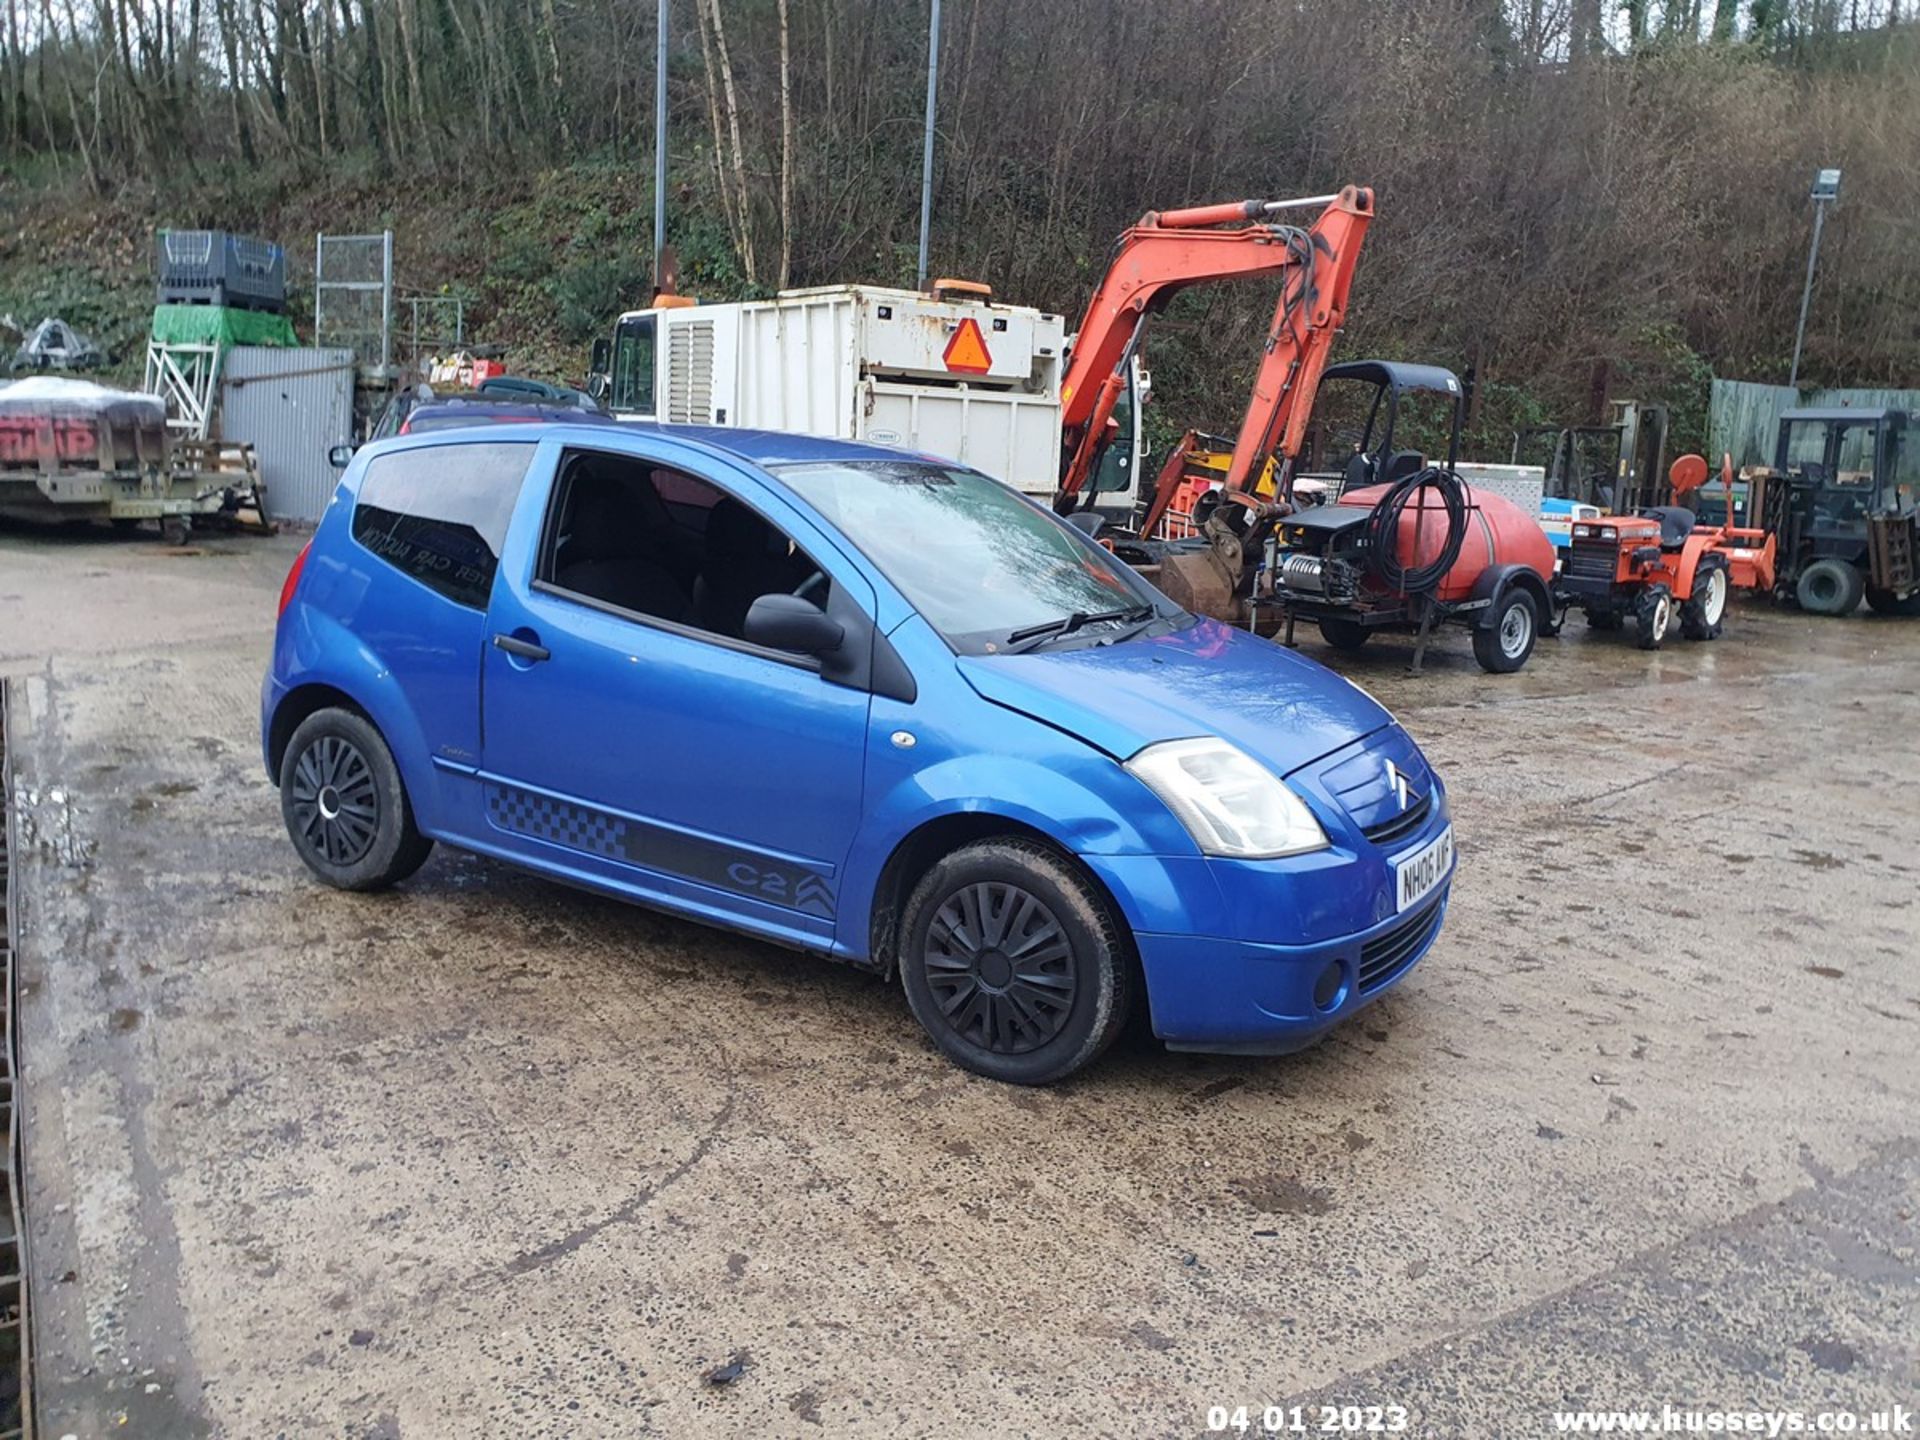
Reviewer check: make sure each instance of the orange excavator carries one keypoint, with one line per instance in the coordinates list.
(1166, 252)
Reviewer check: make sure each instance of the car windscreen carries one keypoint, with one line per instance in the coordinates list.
(980, 561)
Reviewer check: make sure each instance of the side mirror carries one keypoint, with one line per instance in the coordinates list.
(340, 456)
(602, 360)
(786, 622)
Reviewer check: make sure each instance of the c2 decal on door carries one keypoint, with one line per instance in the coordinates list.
(613, 837)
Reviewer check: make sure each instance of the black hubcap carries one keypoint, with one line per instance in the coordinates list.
(335, 802)
(1000, 968)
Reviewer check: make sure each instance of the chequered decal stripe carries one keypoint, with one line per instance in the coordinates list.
(574, 826)
(594, 832)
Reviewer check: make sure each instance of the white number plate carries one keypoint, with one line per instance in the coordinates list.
(1415, 875)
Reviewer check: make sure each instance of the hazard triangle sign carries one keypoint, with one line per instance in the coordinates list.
(967, 350)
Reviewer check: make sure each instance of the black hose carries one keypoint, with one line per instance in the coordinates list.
(1383, 531)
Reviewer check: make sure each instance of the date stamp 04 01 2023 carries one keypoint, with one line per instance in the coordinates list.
(1307, 1419)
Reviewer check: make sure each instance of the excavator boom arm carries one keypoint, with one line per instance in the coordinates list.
(1169, 251)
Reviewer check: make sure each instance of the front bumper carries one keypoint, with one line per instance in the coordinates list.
(1252, 998)
(1263, 956)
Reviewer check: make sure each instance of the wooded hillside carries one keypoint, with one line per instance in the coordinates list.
(1578, 199)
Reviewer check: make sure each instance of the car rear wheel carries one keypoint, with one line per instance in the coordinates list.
(1014, 963)
(1829, 587)
(1506, 641)
(345, 807)
(1706, 607)
(1343, 634)
(1653, 613)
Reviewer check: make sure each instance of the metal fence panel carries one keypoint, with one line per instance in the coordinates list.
(292, 406)
(353, 295)
(1744, 416)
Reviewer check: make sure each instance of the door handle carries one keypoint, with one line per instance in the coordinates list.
(521, 649)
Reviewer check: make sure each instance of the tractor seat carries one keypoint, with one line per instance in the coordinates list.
(1676, 523)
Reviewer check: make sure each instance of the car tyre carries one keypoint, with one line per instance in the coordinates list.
(1705, 610)
(1829, 587)
(1653, 614)
(345, 807)
(1014, 962)
(1343, 634)
(1503, 644)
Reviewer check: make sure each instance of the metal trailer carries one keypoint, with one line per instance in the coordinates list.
(949, 373)
(73, 451)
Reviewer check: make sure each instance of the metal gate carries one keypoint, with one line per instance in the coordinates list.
(292, 406)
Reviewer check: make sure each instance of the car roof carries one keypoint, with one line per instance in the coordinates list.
(763, 448)
(781, 447)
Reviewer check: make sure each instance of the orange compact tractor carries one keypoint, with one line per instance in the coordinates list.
(1660, 565)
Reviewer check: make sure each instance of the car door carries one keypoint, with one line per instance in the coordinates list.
(625, 738)
(428, 525)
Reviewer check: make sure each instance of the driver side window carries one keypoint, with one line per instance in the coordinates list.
(666, 546)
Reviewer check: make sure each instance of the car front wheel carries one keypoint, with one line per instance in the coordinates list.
(345, 806)
(1014, 962)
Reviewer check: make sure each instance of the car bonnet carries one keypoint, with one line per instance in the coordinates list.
(1207, 679)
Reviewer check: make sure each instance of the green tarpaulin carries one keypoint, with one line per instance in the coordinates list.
(219, 324)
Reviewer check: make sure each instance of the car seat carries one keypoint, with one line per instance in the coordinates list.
(745, 559)
(605, 553)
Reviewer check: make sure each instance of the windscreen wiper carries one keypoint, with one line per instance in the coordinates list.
(1052, 629)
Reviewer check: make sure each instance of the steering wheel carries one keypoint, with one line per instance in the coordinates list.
(808, 587)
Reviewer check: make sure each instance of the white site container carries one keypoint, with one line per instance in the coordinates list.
(963, 379)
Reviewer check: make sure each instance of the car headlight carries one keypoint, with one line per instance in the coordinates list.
(1229, 802)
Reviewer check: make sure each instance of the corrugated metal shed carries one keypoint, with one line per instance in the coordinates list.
(1744, 416)
(292, 406)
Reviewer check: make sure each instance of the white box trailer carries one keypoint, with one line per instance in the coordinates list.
(951, 374)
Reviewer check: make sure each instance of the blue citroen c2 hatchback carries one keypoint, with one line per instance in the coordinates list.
(858, 702)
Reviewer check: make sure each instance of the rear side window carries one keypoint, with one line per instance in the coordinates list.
(439, 514)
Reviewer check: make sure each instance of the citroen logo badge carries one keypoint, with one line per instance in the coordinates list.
(1397, 783)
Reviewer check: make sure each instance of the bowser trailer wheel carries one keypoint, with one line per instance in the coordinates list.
(1506, 641)
(1706, 607)
(1343, 634)
(1653, 613)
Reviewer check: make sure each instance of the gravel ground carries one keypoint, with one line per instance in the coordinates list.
(485, 1156)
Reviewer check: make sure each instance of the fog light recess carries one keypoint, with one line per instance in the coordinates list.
(1331, 988)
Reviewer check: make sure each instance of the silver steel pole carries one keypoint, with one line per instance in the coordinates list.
(386, 301)
(660, 148)
(926, 153)
(1806, 294)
